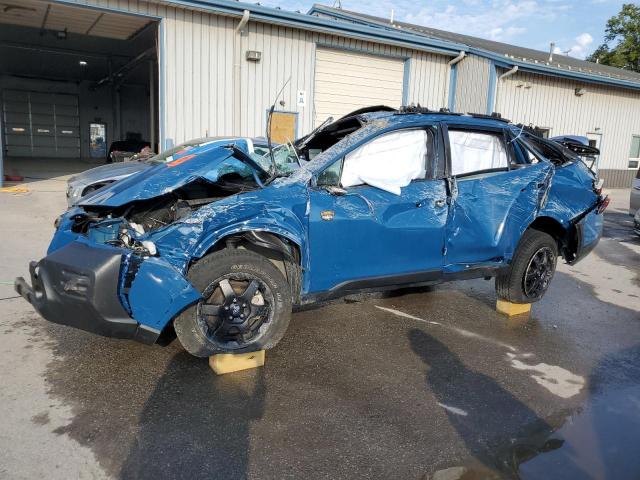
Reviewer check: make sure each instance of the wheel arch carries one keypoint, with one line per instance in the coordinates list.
(565, 236)
(282, 248)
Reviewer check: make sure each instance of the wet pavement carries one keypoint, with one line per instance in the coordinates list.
(428, 383)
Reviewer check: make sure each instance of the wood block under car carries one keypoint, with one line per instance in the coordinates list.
(512, 309)
(234, 362)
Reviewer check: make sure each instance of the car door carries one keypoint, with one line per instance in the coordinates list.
(496, 193)
(365, 236)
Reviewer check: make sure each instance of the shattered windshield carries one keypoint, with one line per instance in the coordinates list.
(284, 155)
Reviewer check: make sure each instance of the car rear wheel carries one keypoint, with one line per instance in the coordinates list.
(246, 305)
(531, 269)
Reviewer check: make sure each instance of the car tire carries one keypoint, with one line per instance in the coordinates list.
(236, 320)
(531, 270)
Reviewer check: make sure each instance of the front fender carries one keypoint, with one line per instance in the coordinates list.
(278, 221)
(192, 238)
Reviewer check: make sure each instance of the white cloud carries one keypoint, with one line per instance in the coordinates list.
(580, 47)
(497, 19)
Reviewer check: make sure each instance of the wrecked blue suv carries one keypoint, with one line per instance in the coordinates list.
(219, 244)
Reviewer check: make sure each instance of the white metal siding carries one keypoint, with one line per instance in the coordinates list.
(200, 52)
(472, 85)
(551, 102)
(346, 81)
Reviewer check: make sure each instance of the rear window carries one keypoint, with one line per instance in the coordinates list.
(553, 152)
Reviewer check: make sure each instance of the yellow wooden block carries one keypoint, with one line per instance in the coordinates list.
(511, 309)
(234, 362)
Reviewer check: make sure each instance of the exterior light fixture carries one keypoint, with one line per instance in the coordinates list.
(253, 55)
(82, 63)
(580, 92)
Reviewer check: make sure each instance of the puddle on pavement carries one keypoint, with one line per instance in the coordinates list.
(598, 441)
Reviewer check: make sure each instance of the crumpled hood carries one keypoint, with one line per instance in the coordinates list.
(199, 163)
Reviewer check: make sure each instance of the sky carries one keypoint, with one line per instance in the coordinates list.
(576, 27)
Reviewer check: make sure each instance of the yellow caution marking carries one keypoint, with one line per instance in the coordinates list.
(14, 189)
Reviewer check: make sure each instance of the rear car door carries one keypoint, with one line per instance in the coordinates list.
(366, 236)
(496, 192)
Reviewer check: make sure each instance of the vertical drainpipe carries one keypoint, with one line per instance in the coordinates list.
(237, 73)
(453, 78)
(506, 74)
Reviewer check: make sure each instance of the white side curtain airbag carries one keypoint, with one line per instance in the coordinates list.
(473, 151)
(388, 162)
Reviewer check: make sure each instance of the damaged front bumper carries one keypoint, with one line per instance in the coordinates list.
(100, 289)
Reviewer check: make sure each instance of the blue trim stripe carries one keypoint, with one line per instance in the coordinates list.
(405, 81)
(491, 94)
(453, 84)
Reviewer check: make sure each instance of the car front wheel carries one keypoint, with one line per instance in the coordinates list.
(246, 305)
(531, 269)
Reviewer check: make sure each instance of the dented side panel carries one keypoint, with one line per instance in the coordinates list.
(489, 212)
(571, 193)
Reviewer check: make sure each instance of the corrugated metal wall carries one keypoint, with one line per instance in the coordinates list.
(551, 102)
(472, 84)
(201, 51)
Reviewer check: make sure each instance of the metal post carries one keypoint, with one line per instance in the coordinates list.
(152, 107)
(1, 151)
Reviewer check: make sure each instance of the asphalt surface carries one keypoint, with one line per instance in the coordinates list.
(412, 385)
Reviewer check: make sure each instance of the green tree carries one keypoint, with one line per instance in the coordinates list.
(621, 47)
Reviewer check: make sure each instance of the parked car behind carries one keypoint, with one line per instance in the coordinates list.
(218, 244)
(91, 180)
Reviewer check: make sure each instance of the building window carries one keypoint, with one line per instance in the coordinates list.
(634, 153)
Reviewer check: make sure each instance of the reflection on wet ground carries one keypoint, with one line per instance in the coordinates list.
(599, 440)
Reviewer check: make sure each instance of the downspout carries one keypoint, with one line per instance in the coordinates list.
(508, 73)
(237, 74)
(460, 56)
(453, 78)
(493, 93)
(243, 21)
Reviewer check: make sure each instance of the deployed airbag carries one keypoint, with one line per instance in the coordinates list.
(474, 152)
(389, 162)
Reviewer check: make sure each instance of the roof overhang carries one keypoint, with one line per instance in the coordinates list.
(322, 25)
(498, 59)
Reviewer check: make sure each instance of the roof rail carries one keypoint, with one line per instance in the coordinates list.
(413, 109)
(493, 116)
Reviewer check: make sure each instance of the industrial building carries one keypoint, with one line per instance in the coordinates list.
(78, 75)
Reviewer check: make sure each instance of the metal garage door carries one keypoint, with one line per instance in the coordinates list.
(346, 81)
(40, 124)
